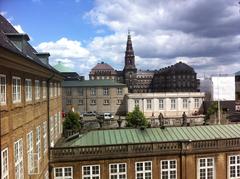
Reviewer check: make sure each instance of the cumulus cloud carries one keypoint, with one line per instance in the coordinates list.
(204, 34)
(70, 53)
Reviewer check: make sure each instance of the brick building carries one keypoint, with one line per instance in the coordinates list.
(197, 152)
(30, 106)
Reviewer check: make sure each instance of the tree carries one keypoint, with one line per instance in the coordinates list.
(72, 121)
(136, 118)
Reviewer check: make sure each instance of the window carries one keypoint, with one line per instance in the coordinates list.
(119, 101)
(46, 175)
(45, 136)
(93, 102)
(60, 123)
(206, 168)
(2, 89)
(91, 172)
(93, 91)
(51, 90)
(149, 104)
(185, 103)
(56, 126)
(4, 164)
(80, 102)
(105, 91)
(117, 171)
(234, 166)
(51, 131)
(136, 102)
(55, 89)
(196, 103)
(44, 88)
(18, 159)
(173, 104)
(28, 90)
(161, 104)
(80, 91)
(63, 173)
(69, 101)
(168, 169)
(143, 170)
(38, 142)
(30, 152)
(59, 89)
(37, 89)
(16, 89)
(119, 91)
(106, 102)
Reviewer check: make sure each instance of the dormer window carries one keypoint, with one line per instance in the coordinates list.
(19, 40)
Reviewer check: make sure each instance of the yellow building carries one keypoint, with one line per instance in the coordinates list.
(30, 106)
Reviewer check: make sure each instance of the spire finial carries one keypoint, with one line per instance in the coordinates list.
(128, 31)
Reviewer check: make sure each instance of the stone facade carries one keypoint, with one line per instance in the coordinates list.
(30, 104)
(169, 104)
(94, 96)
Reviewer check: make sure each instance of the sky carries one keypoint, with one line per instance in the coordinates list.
(205, 34)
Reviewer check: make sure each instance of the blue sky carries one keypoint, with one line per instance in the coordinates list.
(80, 33)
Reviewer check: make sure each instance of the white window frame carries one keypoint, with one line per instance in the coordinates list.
(52, 131)
(91, 175)
(119, 91)
(28, 90)
(93, 91)
(136, 102)
(18, 159)
(118, 173)
(38, 142)
(161, 103)
(55, 126)
(44, 89)
(16, 89)
(51, 89)
(106, 102)
(4, 163)
(59, 89)
(37, 89)
(144, 171)
(206, 167)
(63, 173)
(149, 104)
(30, 152)
(185, 103)
(105, 91)
(168, 169)
(173, 103)
(234, 165)
(93, 102)
(196, 103)
(45, 144)
(55, 89)
(3, 89)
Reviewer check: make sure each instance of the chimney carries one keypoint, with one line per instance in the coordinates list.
(19, 40)
(44, 57)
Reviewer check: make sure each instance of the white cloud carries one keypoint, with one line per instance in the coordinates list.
(3, 13)
(19, 28)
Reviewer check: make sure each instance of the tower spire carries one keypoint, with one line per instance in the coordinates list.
(129, 53)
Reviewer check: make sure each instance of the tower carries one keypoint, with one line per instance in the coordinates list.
(130, 70)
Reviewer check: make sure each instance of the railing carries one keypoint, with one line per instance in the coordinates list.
(148, 149)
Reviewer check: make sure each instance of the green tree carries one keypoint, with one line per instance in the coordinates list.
(212, 109)
(136, 118)
(72, 121)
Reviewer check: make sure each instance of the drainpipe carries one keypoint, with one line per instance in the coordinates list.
(48, 123)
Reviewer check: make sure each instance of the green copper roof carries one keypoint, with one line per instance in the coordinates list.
(169, 134)
(62, 68)
(91, 83)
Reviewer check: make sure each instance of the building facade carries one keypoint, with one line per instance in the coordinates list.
(169, 104)
(198, 152)
(30, 106)
(176, 78)
(94, 96)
